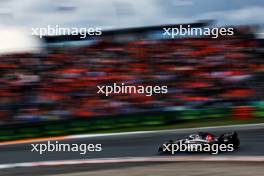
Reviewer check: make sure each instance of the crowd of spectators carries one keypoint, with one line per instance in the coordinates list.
(62, 83)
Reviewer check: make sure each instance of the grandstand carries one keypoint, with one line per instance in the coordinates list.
(201, 73)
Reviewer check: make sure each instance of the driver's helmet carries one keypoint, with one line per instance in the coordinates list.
(197, 136)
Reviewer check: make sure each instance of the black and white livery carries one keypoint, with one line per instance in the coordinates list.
(203, 139)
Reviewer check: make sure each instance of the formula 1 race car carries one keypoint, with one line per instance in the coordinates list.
(202, 142)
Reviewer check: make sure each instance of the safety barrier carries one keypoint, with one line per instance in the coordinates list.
(117, 122)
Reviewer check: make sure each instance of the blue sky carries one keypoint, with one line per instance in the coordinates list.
(127, 13)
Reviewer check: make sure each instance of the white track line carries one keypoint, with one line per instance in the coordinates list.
(136, 160)
(227, 127)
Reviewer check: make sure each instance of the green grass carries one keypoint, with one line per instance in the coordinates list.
(83, 128)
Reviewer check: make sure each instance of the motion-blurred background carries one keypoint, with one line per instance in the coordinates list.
(48, 87)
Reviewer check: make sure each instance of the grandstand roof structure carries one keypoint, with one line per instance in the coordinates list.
(125, 31)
